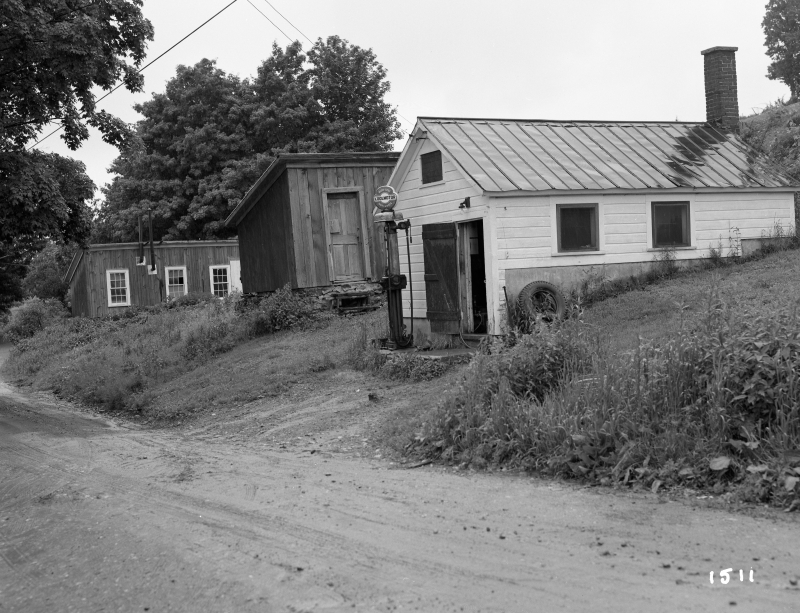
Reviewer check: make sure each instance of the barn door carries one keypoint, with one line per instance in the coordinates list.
(441, 277)
(346, 235)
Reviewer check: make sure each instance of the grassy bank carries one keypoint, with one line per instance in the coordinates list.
(127, 362)
(692, 381)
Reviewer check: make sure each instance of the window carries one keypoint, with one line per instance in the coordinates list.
(577, 227)
(176, 281)
(431, 167)
(220, 281)
(118, 288)
(671, 224)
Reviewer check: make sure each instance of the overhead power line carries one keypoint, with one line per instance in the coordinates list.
(289, 22)
(272, 22)
(150, 63)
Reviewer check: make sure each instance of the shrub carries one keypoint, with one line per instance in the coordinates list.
(709, 405)
(32, 316)
(283, 309)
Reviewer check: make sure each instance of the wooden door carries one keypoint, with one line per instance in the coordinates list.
(441, 277)
(345, 239)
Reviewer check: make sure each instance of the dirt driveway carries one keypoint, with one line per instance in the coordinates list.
(98, 516)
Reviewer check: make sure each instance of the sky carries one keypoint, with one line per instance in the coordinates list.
(525, 59)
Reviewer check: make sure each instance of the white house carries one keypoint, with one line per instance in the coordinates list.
(496, 204)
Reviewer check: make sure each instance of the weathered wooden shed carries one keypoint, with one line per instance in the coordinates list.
(500, 205)
(107, 278)
(307, 221)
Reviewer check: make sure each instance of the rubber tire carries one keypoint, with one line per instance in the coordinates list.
(530, 300)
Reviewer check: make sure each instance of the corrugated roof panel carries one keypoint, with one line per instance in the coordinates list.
(595, 157)
(561, 174)
(655, 168)
(497, 153)
(693, 146)
(508, 155)
(538, 134)
(539, 174)
(637, 167)
(678, 157)
(611, 156)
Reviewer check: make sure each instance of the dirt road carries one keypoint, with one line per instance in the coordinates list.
(97, 516)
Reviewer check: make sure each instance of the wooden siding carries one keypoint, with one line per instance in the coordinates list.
(525, 226)
(89, 284)
(306, 185)
(429, 204)
(267, 240)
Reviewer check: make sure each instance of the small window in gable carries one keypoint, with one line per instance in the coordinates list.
(176, 281)
(431, 167)
(119, 293)
(220, 281)
(671, 224)
(577, 227)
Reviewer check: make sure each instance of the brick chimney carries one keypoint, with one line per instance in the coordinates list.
(722, 101)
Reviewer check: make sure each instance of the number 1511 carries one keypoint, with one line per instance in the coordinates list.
(725, 575)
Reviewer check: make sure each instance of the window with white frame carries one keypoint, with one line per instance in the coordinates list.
(176, 281)
(220, 280)
(577, 227)
(671, 224)
(119, 290)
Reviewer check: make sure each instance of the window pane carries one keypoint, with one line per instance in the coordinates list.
(176, 283)
(219, 282)
(118, 290)
(578, 228)
(431, 166)
(670, 224)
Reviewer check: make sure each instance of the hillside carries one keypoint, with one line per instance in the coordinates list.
(776, 132)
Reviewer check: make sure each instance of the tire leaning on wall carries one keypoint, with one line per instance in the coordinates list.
(541, 299)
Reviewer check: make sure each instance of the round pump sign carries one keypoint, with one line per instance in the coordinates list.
(385, 198)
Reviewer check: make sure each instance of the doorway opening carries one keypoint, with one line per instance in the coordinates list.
(472, 278)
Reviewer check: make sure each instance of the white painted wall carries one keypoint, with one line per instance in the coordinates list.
(431, 203)
(526, 226)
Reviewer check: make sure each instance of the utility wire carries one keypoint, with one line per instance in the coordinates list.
(289, 22)
(61, 127)
(272, 22)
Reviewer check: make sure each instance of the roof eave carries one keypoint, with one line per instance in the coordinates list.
(651, 190)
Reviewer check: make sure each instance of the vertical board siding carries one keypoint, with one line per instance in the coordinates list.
(266, 241)
(89, 285)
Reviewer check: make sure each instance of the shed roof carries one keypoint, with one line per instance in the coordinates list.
(306, 160)
(519, 155)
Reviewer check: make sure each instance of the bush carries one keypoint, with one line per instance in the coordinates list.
(712, 405)
(283, 309)
(32, 316)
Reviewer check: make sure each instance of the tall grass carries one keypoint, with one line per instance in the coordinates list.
(716, 403)
(112, 362)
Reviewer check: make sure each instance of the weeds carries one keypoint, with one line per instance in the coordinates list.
(714, 405)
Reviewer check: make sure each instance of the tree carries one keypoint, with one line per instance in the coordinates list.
(210, 135)
(782, 31)
(52, 54)
(45, 276)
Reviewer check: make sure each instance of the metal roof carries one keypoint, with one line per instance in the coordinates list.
(512, 155)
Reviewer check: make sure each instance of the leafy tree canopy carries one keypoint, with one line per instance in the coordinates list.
(52, 54)
(782, 31)
(45, 276)
(210, 135)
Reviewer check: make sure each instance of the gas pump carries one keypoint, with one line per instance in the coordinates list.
(393, 281)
